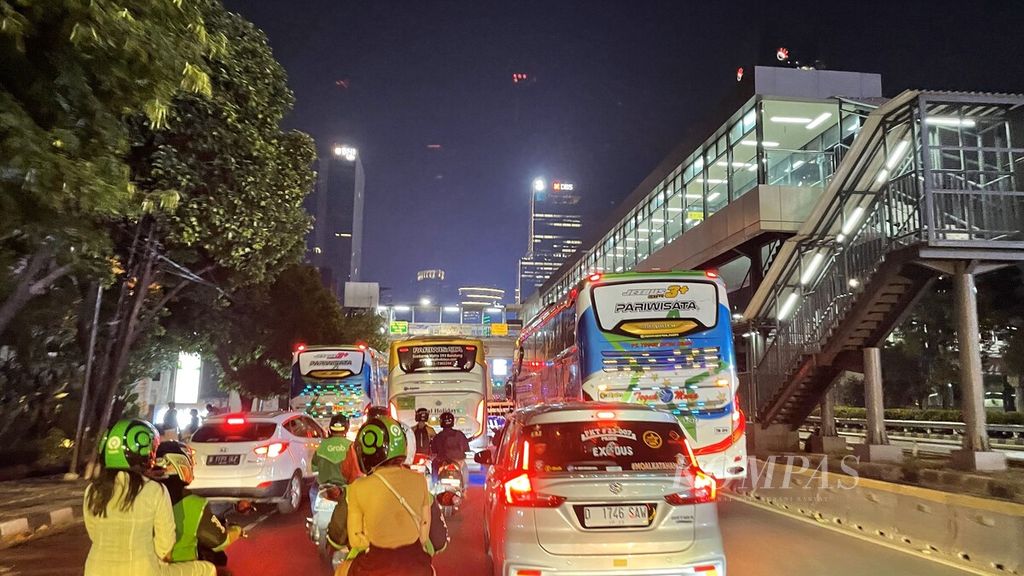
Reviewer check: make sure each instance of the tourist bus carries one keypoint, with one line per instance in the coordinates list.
(658, 338)
(441, 374)
(329, 380)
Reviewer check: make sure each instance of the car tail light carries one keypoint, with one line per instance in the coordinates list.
(528, 572)
(594, 277)
(271, 450)
(706, 570)
(711, 273)
(393, 410)
(704, 490)
(236, 420)
(519, 492)
(419, 460)
(606, 415)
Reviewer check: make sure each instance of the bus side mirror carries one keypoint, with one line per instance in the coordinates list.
(484, 458)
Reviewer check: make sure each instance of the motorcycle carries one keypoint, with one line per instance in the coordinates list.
(328, 496)
(220, 559)
(449, 489)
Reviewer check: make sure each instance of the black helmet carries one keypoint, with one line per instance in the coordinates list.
(339, 424)
(376, 412)
(447, 420)
(422, 415)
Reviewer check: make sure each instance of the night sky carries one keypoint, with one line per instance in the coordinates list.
(613, 87)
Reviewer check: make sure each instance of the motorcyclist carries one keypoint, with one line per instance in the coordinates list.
(200, 534)
(129, 518)
(389, 514)
(449, 446)
(337, 533)
(330, 462)
(423, 431)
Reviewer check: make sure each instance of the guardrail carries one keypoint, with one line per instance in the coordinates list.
(930, 427)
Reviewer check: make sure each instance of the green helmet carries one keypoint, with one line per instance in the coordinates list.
(130, 445)
(380, 439)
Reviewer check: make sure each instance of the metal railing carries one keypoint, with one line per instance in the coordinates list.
(914, 206)
(888, 225)
(929, 427)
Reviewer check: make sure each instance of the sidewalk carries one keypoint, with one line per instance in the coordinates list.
(34, 506)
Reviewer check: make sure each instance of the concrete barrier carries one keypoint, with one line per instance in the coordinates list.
(985, 534)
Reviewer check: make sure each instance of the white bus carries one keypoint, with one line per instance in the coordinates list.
(441, 374)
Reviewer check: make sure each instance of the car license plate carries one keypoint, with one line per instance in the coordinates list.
(223, 460)
(627, 515)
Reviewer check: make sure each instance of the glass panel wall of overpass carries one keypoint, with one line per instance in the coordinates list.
(769, 141)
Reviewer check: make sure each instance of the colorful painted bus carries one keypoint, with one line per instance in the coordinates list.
(329, 380)
(658, 338)
(441, 374)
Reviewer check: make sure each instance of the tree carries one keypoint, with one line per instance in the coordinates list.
(237, 183)
(70, 72)
(263, 327)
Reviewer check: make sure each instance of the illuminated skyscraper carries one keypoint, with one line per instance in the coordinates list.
(555, 233)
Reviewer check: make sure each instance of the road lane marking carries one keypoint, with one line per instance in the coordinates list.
(249, 527)
(865, 538)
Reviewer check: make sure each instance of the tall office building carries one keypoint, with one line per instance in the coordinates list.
(555, 233)
(335, 244)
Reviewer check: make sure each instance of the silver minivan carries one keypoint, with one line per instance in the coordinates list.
(598, 488)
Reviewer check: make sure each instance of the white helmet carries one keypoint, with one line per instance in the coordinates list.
(410, 446)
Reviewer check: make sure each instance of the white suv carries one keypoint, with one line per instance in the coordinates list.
(598, 488)
(262, 457)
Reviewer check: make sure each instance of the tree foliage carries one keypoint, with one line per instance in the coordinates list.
(262, 327)
(70, 73)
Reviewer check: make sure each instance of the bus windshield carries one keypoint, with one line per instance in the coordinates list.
(437, 358)
(330, 364)
(656, 308)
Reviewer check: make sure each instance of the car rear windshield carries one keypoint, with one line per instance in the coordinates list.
(224, 432)
(612, 446)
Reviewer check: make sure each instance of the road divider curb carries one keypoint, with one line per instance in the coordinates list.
(984, 535)
(18, 530)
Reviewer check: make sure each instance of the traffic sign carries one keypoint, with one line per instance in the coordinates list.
(399, 327)
(499, 329)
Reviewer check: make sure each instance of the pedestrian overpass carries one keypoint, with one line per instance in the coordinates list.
(845, 211)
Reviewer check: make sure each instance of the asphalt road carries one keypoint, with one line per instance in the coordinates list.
(758, 543)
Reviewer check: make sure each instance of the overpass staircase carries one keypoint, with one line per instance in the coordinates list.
(933, 184)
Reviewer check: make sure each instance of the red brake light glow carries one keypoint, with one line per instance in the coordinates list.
(519, 492)
(594, 277)
(403, 349)
(606, 415)
(703, 491)
(362, 346)
(300, 347)
(236, 421)
(271, 450)
(711, 273)
(526, 456)
(480, 420)
(528, 572)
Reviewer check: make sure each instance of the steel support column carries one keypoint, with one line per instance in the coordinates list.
(972, 389)
(828, 413)
(873, 397)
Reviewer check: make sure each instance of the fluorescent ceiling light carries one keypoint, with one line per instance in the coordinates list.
(451, 308)
(495, 310)
(883, 175)
(713, 197)
(659, 240)
(765, 143)
(716, 181)
(897, 154)
(798, 164)
(401, 308)
(818, 120)
(657, 220)
(790, 120)
(950, 121)
(787, 306)
(749, 117)
(852, 221)
(812, 268)
(680, 209)
(689, 197)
